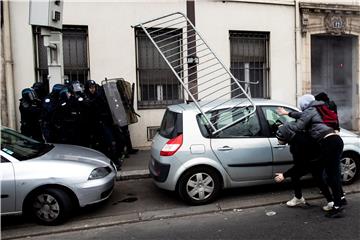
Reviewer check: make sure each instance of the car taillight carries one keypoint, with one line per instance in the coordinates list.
(172, 146)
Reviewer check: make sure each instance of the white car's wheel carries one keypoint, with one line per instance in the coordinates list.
(50, 206)
(199, 185)
(349, 168)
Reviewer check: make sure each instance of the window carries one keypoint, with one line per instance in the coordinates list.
(249, 61)
(75, 50)
(20, 146)
(171, 125)
(274, 119)
(248, 127)
(157, 84)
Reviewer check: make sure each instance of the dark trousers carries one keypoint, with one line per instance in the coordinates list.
(317, 170)
(306, 156)
(331, 150)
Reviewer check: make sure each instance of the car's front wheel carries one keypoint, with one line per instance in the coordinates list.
(350, 164)
(49, 206)
(199, 185)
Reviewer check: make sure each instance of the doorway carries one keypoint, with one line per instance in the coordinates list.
(333, 61)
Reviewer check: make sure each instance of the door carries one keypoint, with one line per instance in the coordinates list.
(7, 177)
(282, 158)
(332, 71)
(242, 149)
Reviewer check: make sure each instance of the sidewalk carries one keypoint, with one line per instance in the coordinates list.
(136, 166)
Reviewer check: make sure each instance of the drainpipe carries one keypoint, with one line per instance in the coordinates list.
(298, 69)
(9, 78)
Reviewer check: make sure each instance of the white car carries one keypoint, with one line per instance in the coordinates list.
(188, 159)
(47, 181)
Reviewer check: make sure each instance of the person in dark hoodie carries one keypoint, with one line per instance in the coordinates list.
(330, 145)
(305, 152)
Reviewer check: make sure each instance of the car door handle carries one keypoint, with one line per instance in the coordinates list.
(225, 148)
(280, 146)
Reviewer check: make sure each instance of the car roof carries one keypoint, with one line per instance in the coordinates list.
(221, 104)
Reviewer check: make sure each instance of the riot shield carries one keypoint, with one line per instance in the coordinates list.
(127, 95)
(116, 105)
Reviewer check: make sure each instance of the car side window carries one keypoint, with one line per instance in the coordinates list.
(274, 119)
(248, 127)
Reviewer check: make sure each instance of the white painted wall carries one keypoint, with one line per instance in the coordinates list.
(22, 49)
(111, 44)
(214, 19)
(112, 40)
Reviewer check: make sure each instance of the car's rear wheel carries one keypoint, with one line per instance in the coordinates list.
(199, 185)
(350, 164)
(50, 206)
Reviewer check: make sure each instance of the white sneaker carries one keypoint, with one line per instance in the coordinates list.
(296, 201)
(328, 207)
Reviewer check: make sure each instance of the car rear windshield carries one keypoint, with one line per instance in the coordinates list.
(20, 146)
(171, 125)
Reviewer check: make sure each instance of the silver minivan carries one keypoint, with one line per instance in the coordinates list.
(188, 159)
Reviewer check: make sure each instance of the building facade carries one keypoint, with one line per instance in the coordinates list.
(289, 47)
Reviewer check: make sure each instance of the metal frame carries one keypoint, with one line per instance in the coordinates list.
(212, 78)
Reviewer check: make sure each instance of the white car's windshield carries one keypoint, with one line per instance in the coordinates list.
(20, 146)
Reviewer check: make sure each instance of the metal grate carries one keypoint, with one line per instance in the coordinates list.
(198, 69)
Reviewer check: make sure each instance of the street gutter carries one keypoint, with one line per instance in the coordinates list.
(218, 207)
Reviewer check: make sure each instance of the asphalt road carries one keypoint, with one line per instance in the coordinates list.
(269, 222)
(138, 202)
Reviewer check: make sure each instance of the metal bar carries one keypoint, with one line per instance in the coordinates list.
(153, 26)
(184, 50)
(203, 90)
(179, 45)
(169, 26)
(174, 41)
(233, 123)
(218, 59)
(153, 20)
(209, 80)
(180, 80)
(222, 102)
(207, 73)
(226, 111)
(167, 33)
(195, 64)
(216, 89)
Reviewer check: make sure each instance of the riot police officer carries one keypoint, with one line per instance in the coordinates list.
(106, 136)
(40, 90)
(49, 105)
(30, 110)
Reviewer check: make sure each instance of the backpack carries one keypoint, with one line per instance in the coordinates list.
(328, 116)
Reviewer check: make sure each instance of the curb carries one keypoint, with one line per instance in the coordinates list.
(134, 174)
(148, 216)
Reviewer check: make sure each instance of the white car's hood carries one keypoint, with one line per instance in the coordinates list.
(64, 152)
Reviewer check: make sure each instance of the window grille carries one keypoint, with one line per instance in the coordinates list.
(249, 61)
(75, 50)
(158, 87)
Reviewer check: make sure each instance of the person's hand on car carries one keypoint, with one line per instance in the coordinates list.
(279, 177)
(281, 111)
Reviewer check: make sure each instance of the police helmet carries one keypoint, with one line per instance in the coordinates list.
(64, 94)
(57, 88)
(28, 94)
(77, 87)
(40, 89)
(89, 83)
